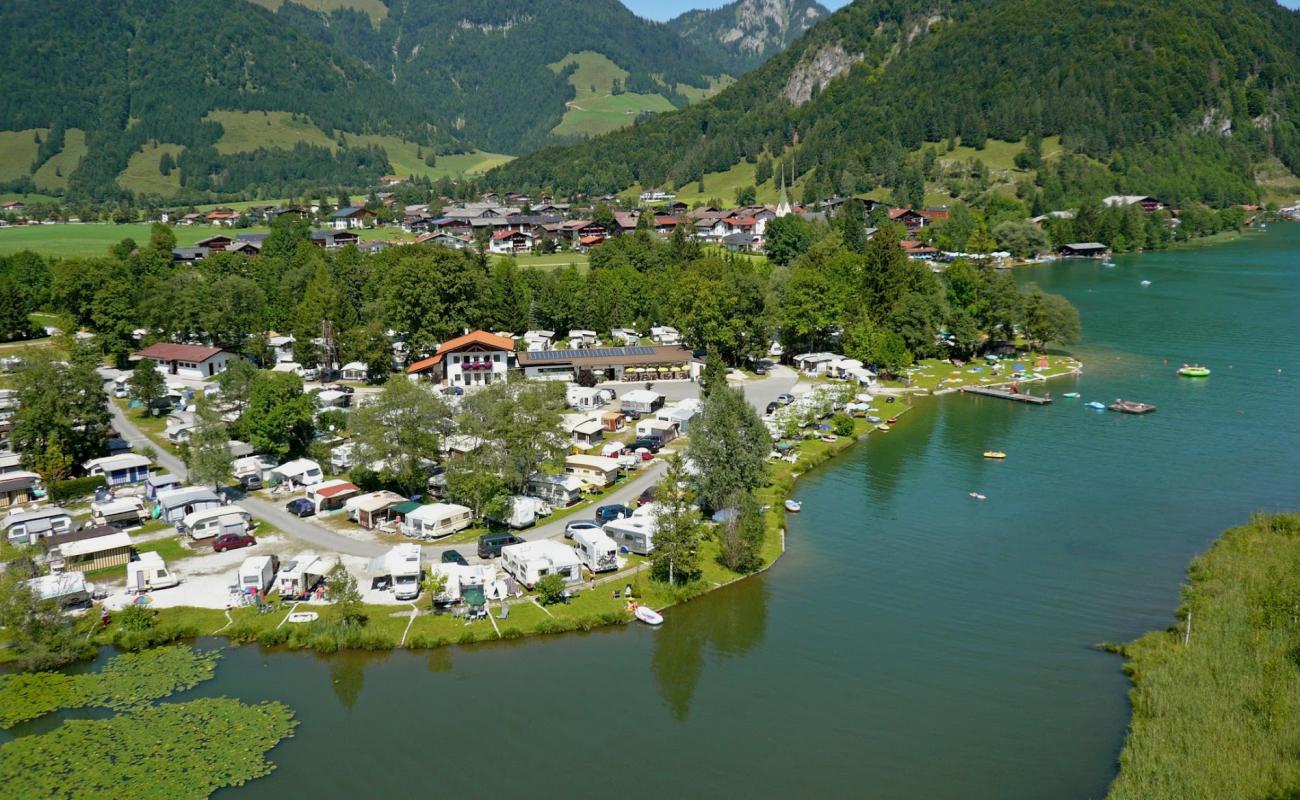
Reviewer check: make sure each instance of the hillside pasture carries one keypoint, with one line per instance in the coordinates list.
(53, 174)
(81, 240)
(143, 176)
(595, 109)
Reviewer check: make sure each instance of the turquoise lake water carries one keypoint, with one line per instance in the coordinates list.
(913, 642)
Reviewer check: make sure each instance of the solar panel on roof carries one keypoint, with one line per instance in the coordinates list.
(599, 352)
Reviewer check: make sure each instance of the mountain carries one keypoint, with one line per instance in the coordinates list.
(512, 75)
(1182, 99)
(121, 79)
(744, 34)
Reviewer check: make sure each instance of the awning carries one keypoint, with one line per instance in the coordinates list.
(405, 508)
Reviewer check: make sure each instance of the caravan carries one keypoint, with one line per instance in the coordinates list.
(437, 520)
(149, 573)
(636, 533)
(595, 550)
(173, 505)
(127, 512)
(404, 565)
(298, 578)
(65, 588)
(213, 521)
(529, 562)
(256, 574)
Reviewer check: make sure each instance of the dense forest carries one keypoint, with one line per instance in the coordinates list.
(745, 33)
(1178, 99)
(484, 63)
(129, 73)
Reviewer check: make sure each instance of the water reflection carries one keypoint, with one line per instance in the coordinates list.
(732, 622)
(348, 673)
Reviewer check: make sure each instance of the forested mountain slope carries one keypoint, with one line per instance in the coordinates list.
(1180, 99)
(492, 67)
(745, 33)
(132, 72)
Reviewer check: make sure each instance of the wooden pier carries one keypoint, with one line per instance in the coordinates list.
(1006, 394)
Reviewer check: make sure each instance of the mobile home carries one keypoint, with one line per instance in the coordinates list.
(149, 573)
(595, 550)
(210, 522)
(125, 512)
(297, 578)
(25, 527)
(641, 401)
(659, 429)
(596, 470)
(330, 495)
(371, 510)
(558, 490)
(529, 562)
(122, 470)
(173, 505)
(636, 533)
(300, 472)
(437, 520)
(66, 588)
(160, 483)
(90, 549)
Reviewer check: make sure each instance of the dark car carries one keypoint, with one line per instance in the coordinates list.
(250, 482)
(490, 544)
(580, 525)
(772, 407)
(612, 512)
(649, 443)
(232, 541)
(454, 557)
(302, 507)
(647, 497)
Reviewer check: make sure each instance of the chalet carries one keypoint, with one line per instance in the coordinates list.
(196, 361)
(664, 226)
(912, 220)
(576, 229)
(474, 359)
(333, 240)
(933, 215)
(588, 242)
(1083, 250)
(918, 250)
(215, 244)
(391, 180)
(192, 218)
(351, 217)
(12, 207)
(741, 242)
(1149, 205)
(509, 242)
(626, 221)
(446, 239)
(224, 217)
(245, 248)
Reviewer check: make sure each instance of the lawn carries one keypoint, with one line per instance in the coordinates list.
(246, 131)
(17, 152)
(375, 9)
(95, 238)
(143, 176)
(551, 261)
(53, 174)
(595, 109)
(933, 374)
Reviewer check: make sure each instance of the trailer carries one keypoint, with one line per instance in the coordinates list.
(636, 533)
(149, 573)
(529, 562)
(64, 588)
(300, 577)
(211, 522)
(256, 574)
(596, 550)
(437, 520)
(172, 505)
(126, 512)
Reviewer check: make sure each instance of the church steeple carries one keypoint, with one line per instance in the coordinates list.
(783, 208)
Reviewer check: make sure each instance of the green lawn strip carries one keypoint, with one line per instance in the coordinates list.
(934, 374)
(1217, 715)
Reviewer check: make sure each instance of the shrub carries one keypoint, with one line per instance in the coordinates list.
(842, 424)
(550, 589)
(75, 488)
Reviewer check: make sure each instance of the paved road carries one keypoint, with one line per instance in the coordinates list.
(759, 393)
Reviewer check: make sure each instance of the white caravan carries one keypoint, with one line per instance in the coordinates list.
(149, 573)
(595, 550)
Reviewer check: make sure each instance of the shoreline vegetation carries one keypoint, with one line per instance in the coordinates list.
(1216, 697)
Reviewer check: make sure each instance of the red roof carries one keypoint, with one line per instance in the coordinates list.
(499, 235)
(484, 338)
(935, 214)
(337, 489)
(179, 352)
(590, 240)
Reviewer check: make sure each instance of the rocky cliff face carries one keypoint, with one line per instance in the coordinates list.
(746, 33)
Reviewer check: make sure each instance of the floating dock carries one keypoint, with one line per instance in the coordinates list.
(1006, 394)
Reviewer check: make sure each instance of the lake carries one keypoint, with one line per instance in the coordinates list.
(914, 642)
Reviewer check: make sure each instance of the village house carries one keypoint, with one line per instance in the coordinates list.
(1149, 205)
(333, 240)
(475, 359)
(351, 217)
(223, 217)
(510, 242)
(195, 361)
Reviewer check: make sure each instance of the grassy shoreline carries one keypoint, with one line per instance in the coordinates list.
(1216, 712)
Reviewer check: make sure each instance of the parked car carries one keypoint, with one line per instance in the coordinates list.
(310, 374)
(302, 507)
(490, 544)
(232, 541)
(785, 399)
(648, 442)
(647, 497)
(761, 369)
(772, 407)
(612, 512)
(250, 482)
(121, 392)
(454, 557)
(580, 525)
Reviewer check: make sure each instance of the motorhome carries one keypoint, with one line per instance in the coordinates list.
(529, 562)
(149, 573)
(65, 588)
(437, 520)
(173, 505)
(256, 573)
(636, 533)
(595, 550)
(125, 512)
(25, 527)
(404, 566)
(210, 522)
(299, 577)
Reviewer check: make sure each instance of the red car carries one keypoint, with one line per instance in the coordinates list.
(232, 541)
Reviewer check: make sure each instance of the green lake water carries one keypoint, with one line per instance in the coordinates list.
(914, 642)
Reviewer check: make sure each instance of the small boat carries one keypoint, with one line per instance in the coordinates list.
(883, 428)
(875, 420)
(1071, 395)
(1095, 405)
(978, 496)
(1194, 371)
(647, 615)
(1108, 264)
(793, 506)
(299, 617)
(1146, 283)
(892, 420)
(1131, 407)
(830, 439)
(994, 454)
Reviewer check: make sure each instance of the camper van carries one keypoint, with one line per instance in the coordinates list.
(173, 505)
(404, 565)
(636, 533)
(437, 520)
(256, 572)
(595, 550)
(529, 562)
(126, 512)
(212, 521)
(149, 573)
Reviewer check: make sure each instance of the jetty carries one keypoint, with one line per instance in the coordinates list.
(1007, 394)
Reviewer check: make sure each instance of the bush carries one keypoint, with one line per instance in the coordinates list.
(154, 636)
(550, 589)
(75, 488)
(842, 424)
(136, 618)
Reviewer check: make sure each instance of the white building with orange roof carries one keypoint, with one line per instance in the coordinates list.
(475, 359)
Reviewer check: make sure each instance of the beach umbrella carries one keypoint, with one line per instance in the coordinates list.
(143, 600)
